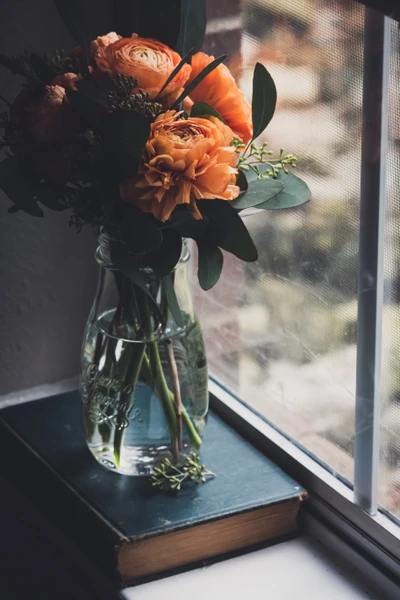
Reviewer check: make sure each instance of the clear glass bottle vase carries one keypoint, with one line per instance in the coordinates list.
(144, 380)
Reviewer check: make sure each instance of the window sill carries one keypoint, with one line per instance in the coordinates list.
(298, 568)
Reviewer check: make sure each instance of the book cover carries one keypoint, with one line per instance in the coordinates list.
(132, 531)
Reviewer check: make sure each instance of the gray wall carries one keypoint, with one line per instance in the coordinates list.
(47, 271)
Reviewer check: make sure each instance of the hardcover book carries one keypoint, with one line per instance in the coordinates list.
(131, 530)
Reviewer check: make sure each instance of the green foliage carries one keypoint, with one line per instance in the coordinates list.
(198, 79)
(42, 69)
(14, 185)
(97, 93)
(172, 300)
(241, 181)
(258, 192)
(141, 233)
(264, 99)
(294, 193)
(166, 257)
(210, 265)
(125, 135)
(185, 59)
(75, 15)
(193, 21)
(199, 109)
(227, 230)
(171, 477)
(17, 66)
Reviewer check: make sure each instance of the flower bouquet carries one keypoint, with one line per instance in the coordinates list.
(150, 143)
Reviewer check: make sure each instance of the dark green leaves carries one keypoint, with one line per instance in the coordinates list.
(199, 109)
(227, 230)
(94, 92)
(14, 66)
(258, 193)
(211, 261)
(198, 79)
(74, 13)
(43, 71)
(125, 135)
(192, 25)
(142, 234)
(164, 260)
(175, 72)
(241, 181)
(264, 99)
(172, 300)
(13, 184)
(125, 262)
(294, 193)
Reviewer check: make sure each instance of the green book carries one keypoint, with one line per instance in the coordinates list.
(131, 530)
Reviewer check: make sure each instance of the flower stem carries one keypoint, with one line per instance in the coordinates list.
(177, 391)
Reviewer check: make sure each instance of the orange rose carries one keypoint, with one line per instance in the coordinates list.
(183, 161)
(67, 80)
(149, 61)
(102, 41)
(220, 91)
(48, 115)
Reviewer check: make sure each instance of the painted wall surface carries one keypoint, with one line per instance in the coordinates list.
(47, 271)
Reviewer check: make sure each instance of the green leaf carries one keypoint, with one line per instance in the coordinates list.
(172, 300)
(125, 135)
(164, 260)
(192, 25)
(183, 221)
(85, 109)
(75, 15)
(227, 230)
(125, 263)
(294, 193)
(241, 181)
(199, 109)
(264, 99)
(14, 66)
(175, 72)
(51, 196)
(92, 91)
(211, 261)
(257, 193)
(13, 183)
(198, 79)
(142, 235)
(43, 71)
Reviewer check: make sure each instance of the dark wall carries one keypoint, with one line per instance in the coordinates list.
(47, 271)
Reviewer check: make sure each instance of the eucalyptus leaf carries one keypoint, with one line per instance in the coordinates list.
(264, 99)
(198, 79)
(210, 265)
(172, 300)
(14, 185)
(85, 109)
(186, 225)
(193, 23)
(43, 71)
(294, 193)
(164, 260)
(257, 193)
(199, 109)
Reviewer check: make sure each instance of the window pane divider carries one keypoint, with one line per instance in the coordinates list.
(371, 254)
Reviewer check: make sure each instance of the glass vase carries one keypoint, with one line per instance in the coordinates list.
(144, 380)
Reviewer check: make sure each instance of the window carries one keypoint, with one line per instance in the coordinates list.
(294, 336)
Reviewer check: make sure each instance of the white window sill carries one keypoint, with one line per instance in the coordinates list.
(298, 568)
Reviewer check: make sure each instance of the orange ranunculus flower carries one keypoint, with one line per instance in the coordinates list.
(148, 60)
(220, 91)
(183, 161)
